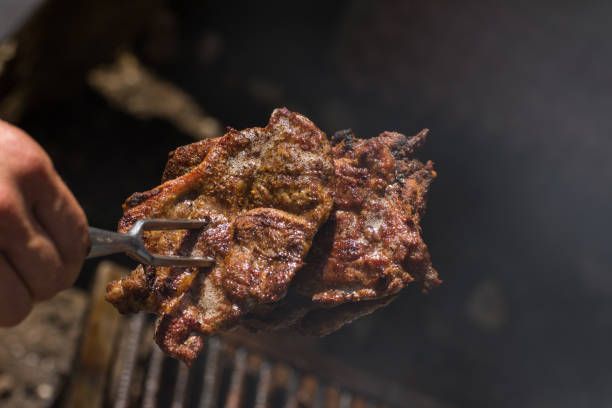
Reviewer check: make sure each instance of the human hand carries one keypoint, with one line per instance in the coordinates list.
(43, 230)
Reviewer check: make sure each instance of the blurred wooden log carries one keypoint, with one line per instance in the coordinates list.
(60, 43)
(130, 86)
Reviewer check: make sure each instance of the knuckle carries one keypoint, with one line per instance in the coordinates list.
(22, 154)
(34, 165)
(8, 203)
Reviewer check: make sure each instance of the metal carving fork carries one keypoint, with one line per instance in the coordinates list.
(105, 242)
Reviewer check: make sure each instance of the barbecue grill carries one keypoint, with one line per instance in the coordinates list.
(120, 366)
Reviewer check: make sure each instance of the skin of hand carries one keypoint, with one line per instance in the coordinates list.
(43, 230)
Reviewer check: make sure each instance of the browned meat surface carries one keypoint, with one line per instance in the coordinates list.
(267, 192)
(185, 158)
(370, 247)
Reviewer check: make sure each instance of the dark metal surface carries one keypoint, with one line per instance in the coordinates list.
(236, 369)
(134, 333)
(180, 387)
(226, 368)
(263, 385)
(293, 383)
(210, 387)
(151, 386)
(236, 385)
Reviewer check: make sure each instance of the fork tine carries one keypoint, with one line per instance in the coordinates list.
(172, 224)
(180, 261)
(149, 258)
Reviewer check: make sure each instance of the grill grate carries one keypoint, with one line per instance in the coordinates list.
(227, 374)
(234, 370)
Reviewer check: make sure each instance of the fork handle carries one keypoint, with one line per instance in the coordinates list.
(105, 242)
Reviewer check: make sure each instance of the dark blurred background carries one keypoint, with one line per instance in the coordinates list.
(518, 98)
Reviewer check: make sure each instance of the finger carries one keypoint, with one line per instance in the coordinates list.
(63, 220)
(27, 249)
(31, 176)
(36, 260)
(15, 300)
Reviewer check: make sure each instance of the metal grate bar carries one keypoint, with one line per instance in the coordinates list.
(263, 385)
(154, 371)
(235, 391)
(283, 374)
(293, 385)
(182, 376)
(208, 398)
(134, 333)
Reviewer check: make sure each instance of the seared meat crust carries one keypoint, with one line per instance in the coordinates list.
(370, 247)
(266, 193)
(185, 158)
(373, 243)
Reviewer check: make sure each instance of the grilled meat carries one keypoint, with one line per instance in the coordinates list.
(371, 246)
(266, 193)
